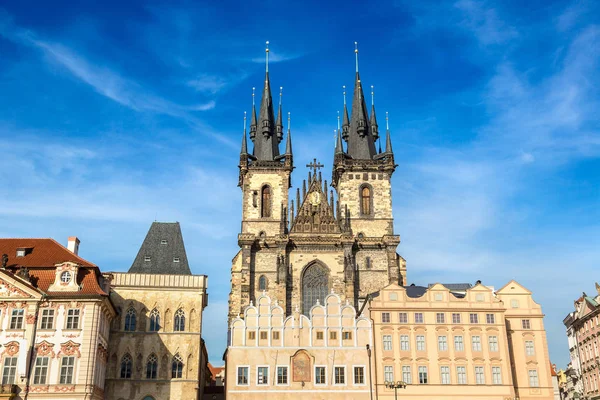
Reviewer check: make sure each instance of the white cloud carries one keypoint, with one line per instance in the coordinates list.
(485, 23)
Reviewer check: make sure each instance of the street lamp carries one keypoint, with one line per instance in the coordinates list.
(396, 386)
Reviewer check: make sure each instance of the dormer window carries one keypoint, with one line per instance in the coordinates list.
(147, 259)
(164, 241)
(20, 252)
(65, 277)
(176, 259)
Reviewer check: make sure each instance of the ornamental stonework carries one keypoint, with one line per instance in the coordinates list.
(11, 349)
(70, 348)
(45, 349)
(9, 290)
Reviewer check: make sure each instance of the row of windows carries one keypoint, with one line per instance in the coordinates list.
(131, 320)
(458, 343)
(263, 377)
(346, 335)
(589, 352)
(445, 376)
(590, 384)
(46, 319)
(40, 371)
(440, 318)
(151, 367)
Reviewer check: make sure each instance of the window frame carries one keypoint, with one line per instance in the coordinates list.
(179, 360)
(127, 369)
(526, 324)
(361, 200)
(461, 375)
(262, 280)
(386, 318)
(390, 342)
(72, 320)
(403, 318)
(424, 373)
(335, 369)
(152, 367)
(16, 320)
(388, 372)
(9, 371)
(364, 379)
(404, 342)
(529, 353)
(476, 342)
(440, 318)
(287, 375)
(473, 318)
(67, 379)
(266, 211)
(447, 372)
(422, 342)
(154, 321)
(493, 343)
(420, 319)
(490, 318)
(496, 371)
(258, 367)
(44, 319)
(179, 321)
(461, 342)
(535, 376)
(442, 343)
(456, 318)
(130, 315)
(406, 372)
(317, 375)
(41, 371)
(479, 372)
(237, 380)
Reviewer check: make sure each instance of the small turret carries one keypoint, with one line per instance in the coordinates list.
(373, 121)
(279, 123)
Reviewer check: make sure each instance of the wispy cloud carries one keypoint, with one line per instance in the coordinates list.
(483, 20)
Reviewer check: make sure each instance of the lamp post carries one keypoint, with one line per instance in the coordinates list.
(395, 386)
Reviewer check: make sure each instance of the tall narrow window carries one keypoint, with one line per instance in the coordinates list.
(315, 284)
(388, 373)
(10, 370)
(151, 367)
(154, 321)
(40, 372)
(479, 376)
(179, 323)
(73, 318)
(445, 375)
(47, 321)
(16, 319)
(406, 374)
(265, 205)
(365, 200)
(262, 283)
(461, 375)
(177, 367)
(282, 375)
(242, 376)
(66, 370)
(130, 320)
(126, 367)
(423, 379)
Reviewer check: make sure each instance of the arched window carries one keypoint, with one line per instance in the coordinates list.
(154, 321)
(151, 366)
(179, 325)
(262, 283)
(148, 398)
(126, 367)
(315, 284)
(365, 200)
(265, 204)
(130, 320)
(177, 367)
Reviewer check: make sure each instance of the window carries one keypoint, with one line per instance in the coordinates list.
(130, 322)
(10, 370)
(126, 367)
(474, 318)
(147, 258)
(445, 375)
(175, 259)
(282, 375)
(393, 295)
(251, 335)
(404, 343)
(347, 335)
(315, 284)
(154, 321)
(263, 335)
(262, 374)
(163, 241)
(455, 318)
(479, 298)
(418, 318)
(496, 376)
(461, 375)
(275, 335)
(20, 252)
(406, 374)
(65, 277)
(479, 376)
(47, 321)
(438, 297)
(179, 323)
(420, 343)
(320, 376)
(529, 349)
(340, 375)
(319, 335)
(490, 319)
(16, 319)
(458, 343)
(440, 318)
(177, 367)
(262, 283)
(368, 266)
(359, 375)
(423, 375)
(365, 200)
(387, 342)
(514, 303)
(151, 366)
(526, 324)
(66, 370)
(242, 375)
(388, 373)
(403, 318)
(73, 318)
(40, 372)
(476, 341)
(493, 341)
(333, 335)
(385, 317)
(265, 205)
(442, 343)
(533, 378)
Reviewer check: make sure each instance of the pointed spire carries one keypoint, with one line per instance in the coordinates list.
(356, 55)
(253, 117)
(279, 123)
(267, 58)
(388, 139)
(288, 143)
(373, 121)
(346, 123)
(266, 146)
(244, 150)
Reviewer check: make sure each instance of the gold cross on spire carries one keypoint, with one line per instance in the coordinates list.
(315, 165)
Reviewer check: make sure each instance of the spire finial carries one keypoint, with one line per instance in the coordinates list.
(253, 90)
(280, 94)
(387, 121)
(289, 119)
(267, 57)
(244, 121)
(344, 92)
(338, 120)
(356, 54)
(372, 96)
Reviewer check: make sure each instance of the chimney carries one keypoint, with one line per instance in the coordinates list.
(73, 244)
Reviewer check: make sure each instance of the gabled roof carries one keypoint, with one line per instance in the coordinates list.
(164, 249)
(39, 253)
(454, 286)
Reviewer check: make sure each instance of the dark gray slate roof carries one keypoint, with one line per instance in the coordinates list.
(415, 291)
(162, 252)
(454, 286)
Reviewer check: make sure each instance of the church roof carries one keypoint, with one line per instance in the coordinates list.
(162, 251)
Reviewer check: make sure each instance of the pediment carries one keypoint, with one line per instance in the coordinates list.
(13, 288)
(315, 211)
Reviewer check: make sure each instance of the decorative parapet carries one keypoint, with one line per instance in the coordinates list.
(158, 280)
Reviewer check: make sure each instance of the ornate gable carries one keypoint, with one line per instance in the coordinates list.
(13, 289)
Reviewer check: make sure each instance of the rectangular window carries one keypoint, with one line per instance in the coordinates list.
(526, 324)
(458, 343)
(66, 370)
(455, 318)
(251, 335)
(385, 317)
(388, 373)
(461, 375)
(420, 343)
(263, 335)
(10, 370)
(533, 378)
(262, 376)
(474, 318)
(387, 342)
(445, 375)
(476, 341)
(347, 335)
(440, 318)
(529, 349)
(496, 376)
(442, 343)
(40, 372)
(332, 335)
(490, 319)
(479, 376)
(242, 375)
(406, 374)
(418, 318)
(16, 319)
(319, 335)
(282, 375)
(320, 376)
(275, 335)
(404, 343)
(340, 375)
(47, 320)
(493, 341)
(73, 318)
(359, 375)
(403, 318)
(423, 379)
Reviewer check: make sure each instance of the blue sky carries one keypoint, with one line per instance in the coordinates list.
(115, 114)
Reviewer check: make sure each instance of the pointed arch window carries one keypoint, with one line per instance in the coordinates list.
(262, 283)
(265, 204)
(151, 366)
(177, 367)
(154, 321)
(179, 323)
(315, 284)
(126, 367)
(366, 200)
(130, 320)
